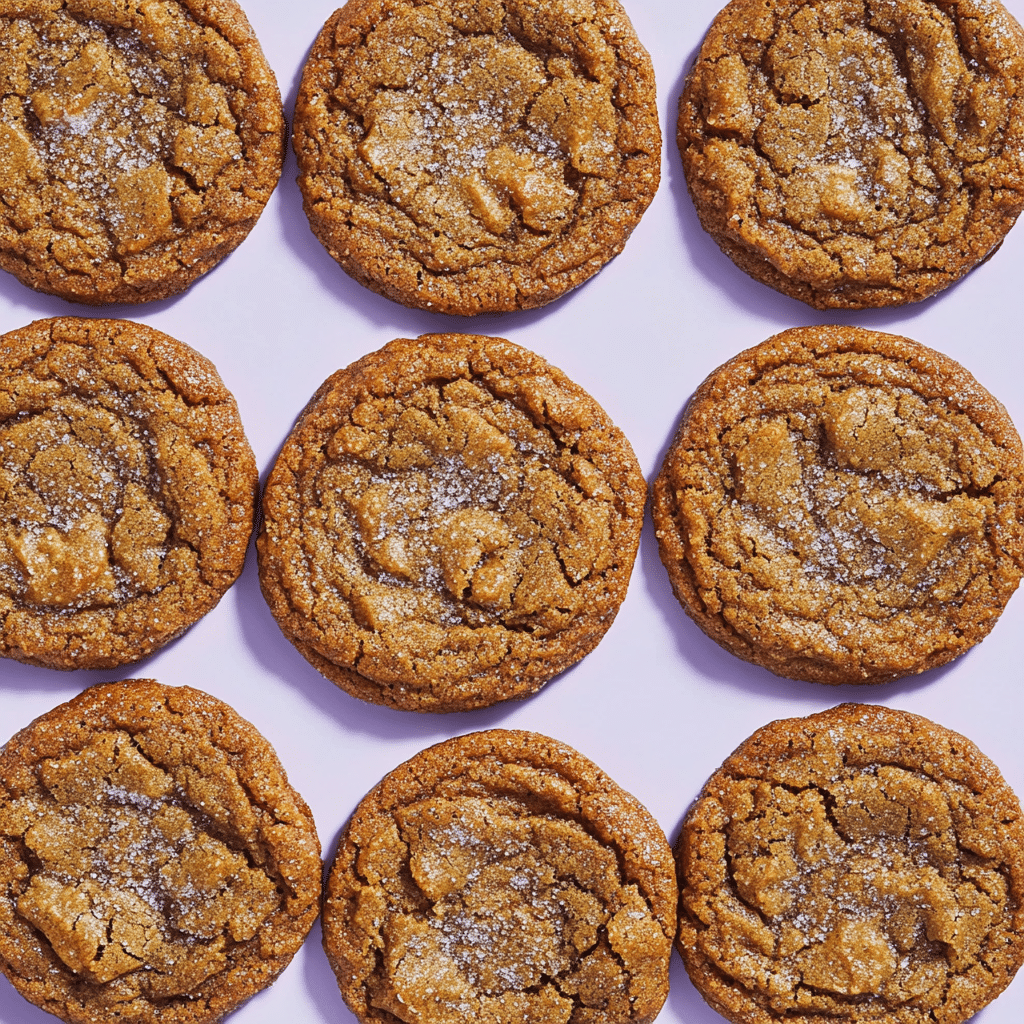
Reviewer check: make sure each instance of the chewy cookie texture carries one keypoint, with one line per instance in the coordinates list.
(140, 141)
(155, 864)
(501, 877)
(476, 157)
(858, 865)
(451, 523)
(127, 491)
(843, 506)
(855, 154)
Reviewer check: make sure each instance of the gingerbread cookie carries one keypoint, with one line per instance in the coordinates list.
(140, 141)
(843, 506)
(155, 864)
(502, 877)
(127, 491)
(857, 865)
(854, 154)
(477, 157)
(451, 523)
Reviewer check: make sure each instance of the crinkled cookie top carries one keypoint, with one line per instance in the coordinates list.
(501, 877)
(155, 861)
(127, 491)
(451, 523)
(467, 158)
(843, 506)
(856, 153)
(140, 142)
(862, 864)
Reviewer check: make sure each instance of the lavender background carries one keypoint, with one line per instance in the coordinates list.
(657, 705)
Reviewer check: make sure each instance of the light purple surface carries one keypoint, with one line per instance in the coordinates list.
(657, 705)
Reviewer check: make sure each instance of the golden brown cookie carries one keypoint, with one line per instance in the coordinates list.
(501, 877)
(139, 140)
(471, 158)
(451, 523)
(858, 865)
(127, 491)
(843, 506)
(155, 864)
(854, 154)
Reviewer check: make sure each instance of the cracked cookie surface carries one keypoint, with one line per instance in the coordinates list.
(156, 865)
(140, 141)
(476, 158)
(501, 877)
(861, 864)
(127, 491)
(843, 506)
(451, 523)
(857, 153)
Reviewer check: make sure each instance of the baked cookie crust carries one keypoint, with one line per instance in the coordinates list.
(471, 158)
(140, 141)
(501, 876)
(853, 154)
(861, 864)
(451, 523)
(843, 506)
(156, 865)
(127, 491)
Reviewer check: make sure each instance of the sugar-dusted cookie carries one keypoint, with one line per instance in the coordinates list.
(470, 158)
(451, 523)
(155, 864)
(127, 491)
(502, 877)
(843, 506)
(858, 865)
(854, 154)
(139, 141)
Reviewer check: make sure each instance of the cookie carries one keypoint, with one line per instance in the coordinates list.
(472, 158)
(156, 865)
(451, 523)
(843, 506)
(502, 877)
(127, 491)
(853, 154)
(140, 141)
(861, 864)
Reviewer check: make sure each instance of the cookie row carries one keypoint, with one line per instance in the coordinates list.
(468, 159)
(157, 864)
(452, 521)
(452, 157)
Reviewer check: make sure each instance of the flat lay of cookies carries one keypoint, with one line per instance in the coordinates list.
(511, 511)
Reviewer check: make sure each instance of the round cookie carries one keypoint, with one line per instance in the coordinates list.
(501, 876)
(127, 491)
(858, 865)
(843, 506)
(156, 865)
(852, 154)
(451, 523)
(478, 157)
(140, 141)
